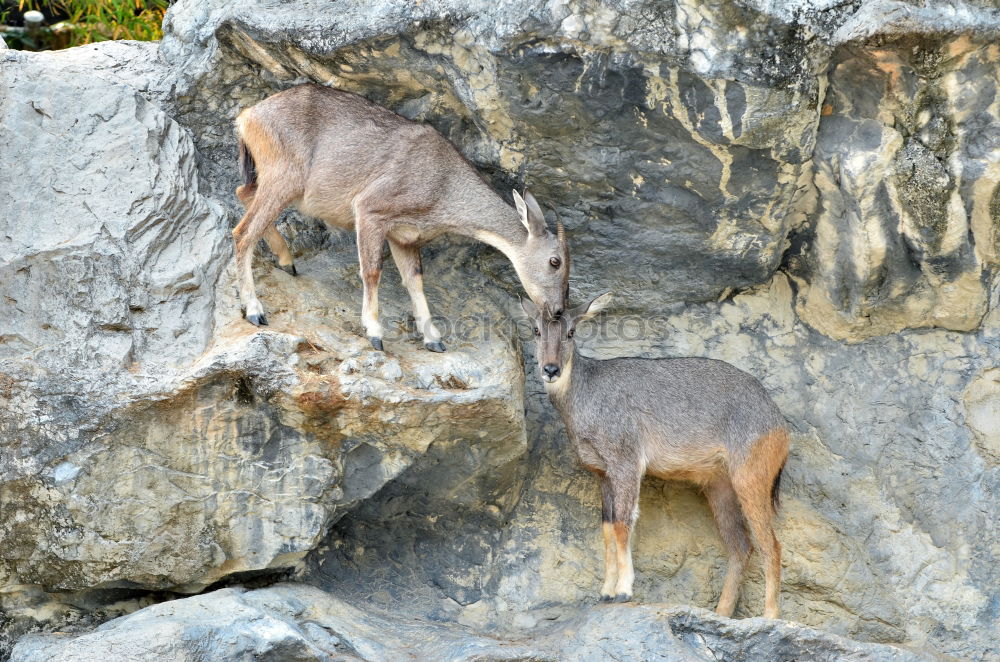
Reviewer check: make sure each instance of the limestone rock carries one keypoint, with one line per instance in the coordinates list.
(888, 500)
(905, 233)
(685, 176)
(151, 438)
(678, 141)
(982, 411)
(291, 622)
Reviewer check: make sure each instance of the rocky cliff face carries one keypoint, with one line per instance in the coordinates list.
(807, 190)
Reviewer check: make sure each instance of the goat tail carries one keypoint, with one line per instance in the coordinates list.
(247, 166)
(776, 489)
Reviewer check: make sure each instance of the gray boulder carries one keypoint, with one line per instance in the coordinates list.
(151, 438)
(289, 623)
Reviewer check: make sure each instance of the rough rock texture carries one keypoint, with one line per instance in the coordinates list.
(585, 103)
(291, 622)
(150, 438)
(889, 502)
(907, 167)
(806, 189)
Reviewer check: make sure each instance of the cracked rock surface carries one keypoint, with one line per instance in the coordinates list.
(293, 622)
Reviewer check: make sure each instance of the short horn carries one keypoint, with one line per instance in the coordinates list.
(561, 236)
(560, 230)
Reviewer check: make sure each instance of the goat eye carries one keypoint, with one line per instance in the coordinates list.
(535, 329)
(555, 262)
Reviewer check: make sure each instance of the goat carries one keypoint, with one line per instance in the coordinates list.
(352, 163)
(693, 419)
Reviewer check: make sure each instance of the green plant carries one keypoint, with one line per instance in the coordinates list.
(101, 20)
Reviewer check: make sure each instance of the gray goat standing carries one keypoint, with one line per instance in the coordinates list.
(692, 419)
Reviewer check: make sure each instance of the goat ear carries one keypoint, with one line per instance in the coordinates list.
(588, 310)
(522, 210)
(535, 218)
(529, 308)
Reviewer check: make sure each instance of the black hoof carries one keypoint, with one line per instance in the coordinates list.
(607, 598)
(436, 346)
(376, 343)
(289, 269)
(622, 597)
(257, 320)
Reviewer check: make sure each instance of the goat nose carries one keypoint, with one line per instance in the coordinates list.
(550, 370)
